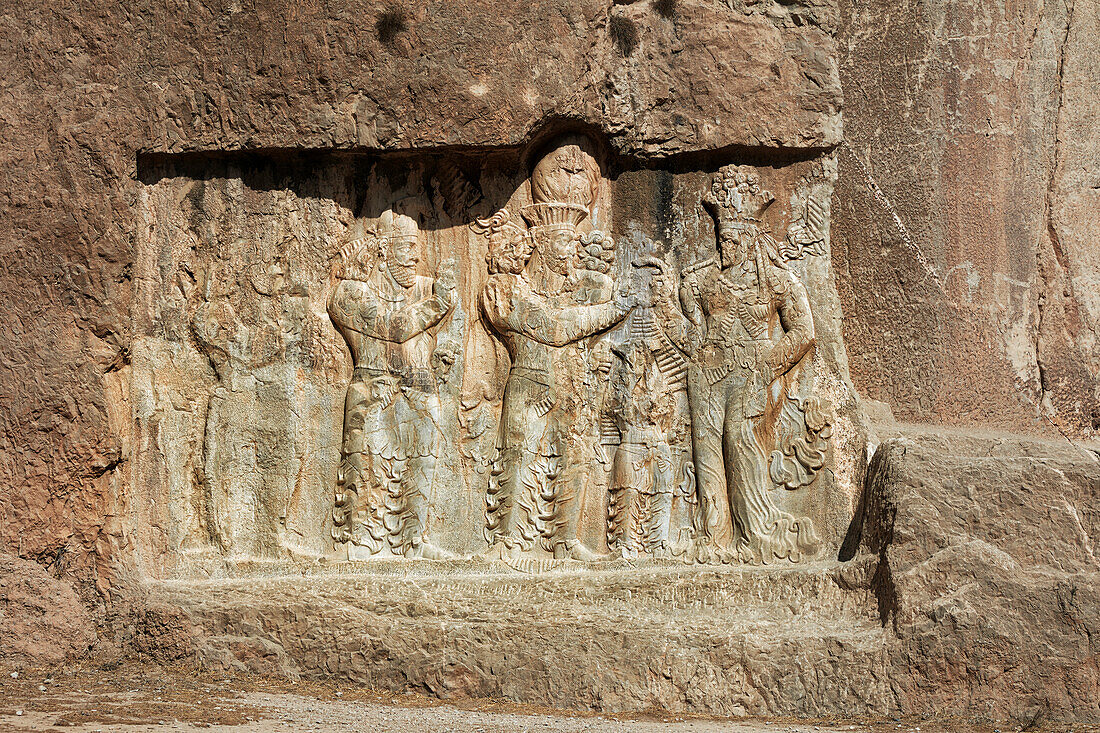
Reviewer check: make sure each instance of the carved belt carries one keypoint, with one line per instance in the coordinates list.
(422, 380)
(736, 360)
(538, 376)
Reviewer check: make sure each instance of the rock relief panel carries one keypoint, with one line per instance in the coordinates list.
(527, 360)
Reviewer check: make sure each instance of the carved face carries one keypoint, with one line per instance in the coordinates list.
(558, 247)
(732, 246)
(401, 258)
(509, 251)
(442, 359)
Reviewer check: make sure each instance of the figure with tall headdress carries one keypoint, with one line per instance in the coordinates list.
(545, 309)
(745, 326)
(391, 443)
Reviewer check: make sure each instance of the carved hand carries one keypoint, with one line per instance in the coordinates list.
(690, 297)
(693, 285)
(778, 360)
(625, 298)
(444, 286)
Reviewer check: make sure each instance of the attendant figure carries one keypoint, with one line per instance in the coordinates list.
(392, 437)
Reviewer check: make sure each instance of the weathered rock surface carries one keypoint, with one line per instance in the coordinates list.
(42, 622)
(972, 595)
(964, 241)
(968, 163)
(987, 575)
(93, 88)
(728, 642)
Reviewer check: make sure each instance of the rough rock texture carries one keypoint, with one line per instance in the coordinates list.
(967, 262)
(972, 594)
(42, 622)
(91, 88)
(988, 575)
(489, 73)
(237, 374)
(176, 700)
(964, 235)
(728, 642)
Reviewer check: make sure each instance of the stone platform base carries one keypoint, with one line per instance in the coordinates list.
(679, 638)
(973, 591)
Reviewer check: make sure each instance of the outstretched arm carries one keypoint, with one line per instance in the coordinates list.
(509, 310)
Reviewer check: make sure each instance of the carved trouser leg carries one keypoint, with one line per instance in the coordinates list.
(762, 531)
(521, 508)
(629, 478)
(366, 467)
(707, 405)
(357, 514)
(418, 438)
(659, 516)
(524, 469)
(407, 516)
(404, 497)
(560, 533)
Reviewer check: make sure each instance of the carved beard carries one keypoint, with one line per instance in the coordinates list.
(560, 265)
(733, 253)
(405, 275)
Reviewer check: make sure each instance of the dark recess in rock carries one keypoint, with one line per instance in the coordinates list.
(624, 33)
(665, 8)
(390, 24)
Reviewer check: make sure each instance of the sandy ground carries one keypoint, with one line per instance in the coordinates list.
(162, 700)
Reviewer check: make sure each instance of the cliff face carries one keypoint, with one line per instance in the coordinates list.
(95, 92)
(967, 261)
(962, 272)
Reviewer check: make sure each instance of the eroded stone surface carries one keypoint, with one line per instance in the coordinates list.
(988, 572)
(725, 642)
(169, 345)
(42, 622)
(636, 362)
(953, 607)
(94, 87)
(966, 168)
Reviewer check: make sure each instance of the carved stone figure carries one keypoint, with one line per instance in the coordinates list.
(545, 308)
(648, 461)
(745, 325)
(391, 415)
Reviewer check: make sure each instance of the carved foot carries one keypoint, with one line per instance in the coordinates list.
(661, 552)
(498, 551)
(575, 550)
(427, 551)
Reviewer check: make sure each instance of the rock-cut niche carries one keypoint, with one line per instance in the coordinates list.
(543, 356)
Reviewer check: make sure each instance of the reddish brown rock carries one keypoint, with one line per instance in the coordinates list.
(92, 88)
(964, 236)
(42, 622)
(967, 267)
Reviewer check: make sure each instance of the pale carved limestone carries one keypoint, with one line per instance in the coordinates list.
(539, 363)
(547, 311)
(392, 412)
(696, 403)
(744, 321)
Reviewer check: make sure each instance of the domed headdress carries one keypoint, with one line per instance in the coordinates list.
(563, 185)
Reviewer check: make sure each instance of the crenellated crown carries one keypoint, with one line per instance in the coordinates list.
(554, 214)
(736, 199)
